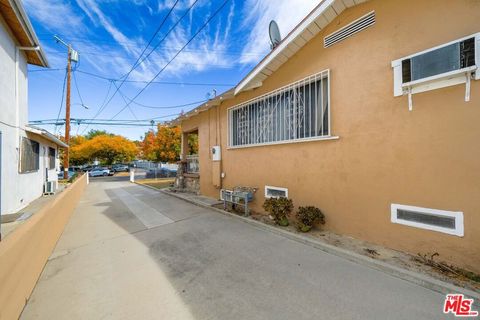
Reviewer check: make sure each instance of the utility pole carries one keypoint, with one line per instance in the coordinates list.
(72, 56)
(66, 155)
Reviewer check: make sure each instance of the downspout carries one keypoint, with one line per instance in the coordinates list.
(219, 135)
(17, 103)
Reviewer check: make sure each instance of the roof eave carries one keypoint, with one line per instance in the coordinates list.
(320, 17)
(245, 83)
(46, 135)
(229, 94)
(35, 57)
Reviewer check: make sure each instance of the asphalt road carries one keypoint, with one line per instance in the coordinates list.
(130, 252)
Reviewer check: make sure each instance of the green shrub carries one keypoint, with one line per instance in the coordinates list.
(73, 177)
(307, 217)
(279, 209)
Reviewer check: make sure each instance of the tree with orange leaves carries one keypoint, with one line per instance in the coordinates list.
(148, 146)
(107, 148)
(162, 146)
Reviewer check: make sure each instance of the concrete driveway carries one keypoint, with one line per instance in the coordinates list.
(130, 252)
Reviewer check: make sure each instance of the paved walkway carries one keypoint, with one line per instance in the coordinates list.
(130, 252)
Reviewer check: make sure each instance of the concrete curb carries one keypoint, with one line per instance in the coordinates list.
(413, 277)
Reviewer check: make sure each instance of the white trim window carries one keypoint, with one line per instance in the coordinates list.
(275, 192)
(297, 112)
(29, 156)
(450, 222)
(449, 64)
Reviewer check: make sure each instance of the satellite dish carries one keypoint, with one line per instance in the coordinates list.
(211, 94)
(274, 32)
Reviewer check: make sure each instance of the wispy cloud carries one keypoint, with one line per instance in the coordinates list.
(257, 16)
(53, 14)
(96, 15)
(242, 27)
(209, 48)
(182, 5)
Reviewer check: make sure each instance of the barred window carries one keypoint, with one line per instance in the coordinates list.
(299, 111)
(30, 155)
(51, 158)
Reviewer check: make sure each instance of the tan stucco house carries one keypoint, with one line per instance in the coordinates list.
(369, 110)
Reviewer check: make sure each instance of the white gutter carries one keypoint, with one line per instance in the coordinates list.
(22, 18)
(46, 135)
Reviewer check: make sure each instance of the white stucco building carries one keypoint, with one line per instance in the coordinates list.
(28, 155)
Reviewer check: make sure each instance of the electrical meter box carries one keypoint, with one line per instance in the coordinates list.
(216, 154)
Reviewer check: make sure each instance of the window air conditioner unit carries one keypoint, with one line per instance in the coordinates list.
(50, 187)
(453, 63)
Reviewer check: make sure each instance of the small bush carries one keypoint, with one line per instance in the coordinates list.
(307, 217)
(279, 209)
(73, 177)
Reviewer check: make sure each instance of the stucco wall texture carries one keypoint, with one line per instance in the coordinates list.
(17, 190)
(25, 251)
(428, 157)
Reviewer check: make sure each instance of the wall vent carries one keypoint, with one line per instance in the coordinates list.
(350, 29)
(275, 192)
(450, 222)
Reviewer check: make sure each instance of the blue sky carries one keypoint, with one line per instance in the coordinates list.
(111, 34)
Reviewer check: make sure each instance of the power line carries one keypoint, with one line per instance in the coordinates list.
(168, 32)
(159, 82)
(115, 122)
(104, 120)
(47, 70)
(173, 58)
(225, 52)
(212, 84)
(168, 107)
(125, 100)
(159, 107)
(134, 44)
(151, 40)
(76, 86)
(108, 92)
(104, 124)
(138, 59)
(61, 103)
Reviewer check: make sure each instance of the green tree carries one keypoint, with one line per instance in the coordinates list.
(93, 133)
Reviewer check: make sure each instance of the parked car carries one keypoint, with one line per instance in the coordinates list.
(89, 168)
(161, 173)
(71, 172)
(98, 172)
(118, 167)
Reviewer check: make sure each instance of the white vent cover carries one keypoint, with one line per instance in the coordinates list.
(350, 29)
(450, 222)
(275, 192)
